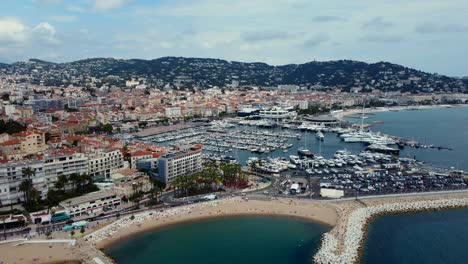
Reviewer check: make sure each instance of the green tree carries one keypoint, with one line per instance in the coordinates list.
(47, 136)
(62, 182)
(53, 198)
(25, 187)
(75, 179)
(108, 128)
(142, 124)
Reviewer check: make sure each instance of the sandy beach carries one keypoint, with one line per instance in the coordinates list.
(324, 213)
(342, 115)
(39, 253)
(332, 213)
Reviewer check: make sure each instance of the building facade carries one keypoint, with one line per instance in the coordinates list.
(103, 163)
(20, 145)
(11, 176)
(91, 203)
(178, 164)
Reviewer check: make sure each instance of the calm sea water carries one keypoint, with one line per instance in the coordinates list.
(425, 237)
(446, 127)
(252, 239)
(441, 127)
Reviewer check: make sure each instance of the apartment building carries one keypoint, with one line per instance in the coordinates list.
(139, 155)
(173, 165)
(19, 145)
(102, 163)
(62, 164)
(11, 176)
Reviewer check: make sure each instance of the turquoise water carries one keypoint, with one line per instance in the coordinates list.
(425, 237)
(252, 239)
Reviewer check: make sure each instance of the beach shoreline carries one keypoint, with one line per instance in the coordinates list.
(337, 215)
(314, 212)
(349, 112)
(110, 243)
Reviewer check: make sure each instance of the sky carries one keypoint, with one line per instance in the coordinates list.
(429, 35)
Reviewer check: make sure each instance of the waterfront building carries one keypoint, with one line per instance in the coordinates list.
(172, 112)
(277, 113)
(46, 173)
(63, 163)
(323, 120)
(173, 165)
(11, 176)
(91, 203)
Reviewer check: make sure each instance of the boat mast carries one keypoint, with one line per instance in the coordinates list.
(362, 114)
(320, 148)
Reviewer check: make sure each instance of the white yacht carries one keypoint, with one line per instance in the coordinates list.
(319, 135)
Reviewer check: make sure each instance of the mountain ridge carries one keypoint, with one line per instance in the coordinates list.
(208, 72)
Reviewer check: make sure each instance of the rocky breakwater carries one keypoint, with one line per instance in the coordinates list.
(356, 227)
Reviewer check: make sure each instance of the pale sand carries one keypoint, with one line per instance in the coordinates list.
(324, 213)
(39, 253)
(332, 213)
(344, 114)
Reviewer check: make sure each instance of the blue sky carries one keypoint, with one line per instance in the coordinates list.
(430, 35)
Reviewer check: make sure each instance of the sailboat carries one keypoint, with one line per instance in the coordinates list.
(304, 152)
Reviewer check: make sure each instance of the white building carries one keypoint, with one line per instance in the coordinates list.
(63, 164)
(11, 176)
(91, 203)
(173, 112)
(173, 165)
(277, 113)
(302, 104)
(103, 163)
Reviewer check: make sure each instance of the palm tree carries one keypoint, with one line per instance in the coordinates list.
(75, 180)
(25, 187)
(62, 182)
(28, 172)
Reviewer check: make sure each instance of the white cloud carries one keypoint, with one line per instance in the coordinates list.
(46, 33)
(18, 39)
(106, 5)
(12, 31)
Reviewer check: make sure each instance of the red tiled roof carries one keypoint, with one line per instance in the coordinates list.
(140, 153)
(11, 142)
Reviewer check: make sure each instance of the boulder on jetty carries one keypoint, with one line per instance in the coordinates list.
(357, 223)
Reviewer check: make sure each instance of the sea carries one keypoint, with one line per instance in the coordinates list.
(445, 127)
(425, 237)
(233, 240)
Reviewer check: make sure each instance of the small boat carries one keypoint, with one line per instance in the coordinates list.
(319, 135)
(303, 152)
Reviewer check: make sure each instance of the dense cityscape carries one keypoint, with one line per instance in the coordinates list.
(104, 132)
(248, 132)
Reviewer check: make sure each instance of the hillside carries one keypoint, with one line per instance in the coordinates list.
(216, 72)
